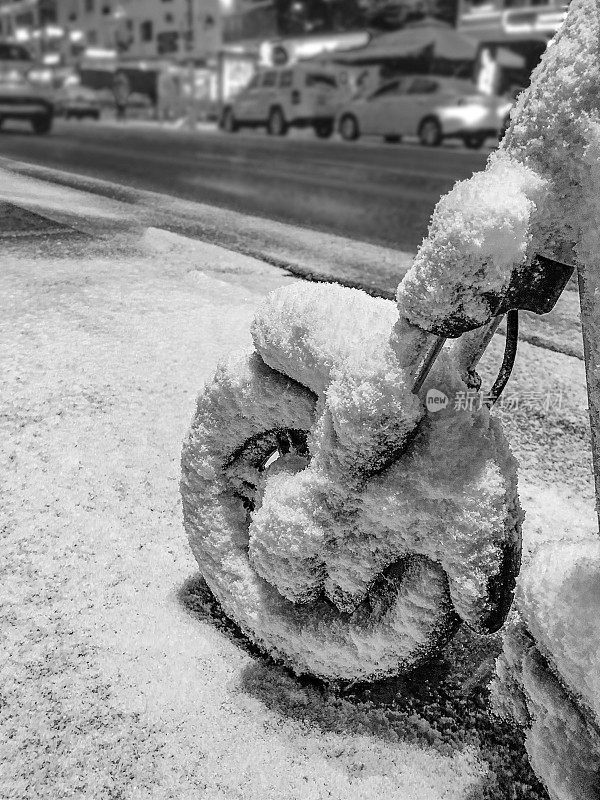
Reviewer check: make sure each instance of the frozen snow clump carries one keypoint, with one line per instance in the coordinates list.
(479, 233)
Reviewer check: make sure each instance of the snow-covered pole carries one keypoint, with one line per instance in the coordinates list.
(589, 295)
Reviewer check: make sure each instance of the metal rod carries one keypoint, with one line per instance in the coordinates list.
(468, 350)
(426, 364)
(510, 352)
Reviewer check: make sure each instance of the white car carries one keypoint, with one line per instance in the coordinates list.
(281, 97)
(430, 107)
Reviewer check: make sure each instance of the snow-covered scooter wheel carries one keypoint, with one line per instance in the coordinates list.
(245, 416)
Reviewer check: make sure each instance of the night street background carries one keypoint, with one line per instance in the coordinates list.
(366, 190)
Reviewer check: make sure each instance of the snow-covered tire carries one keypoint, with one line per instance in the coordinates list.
(407, 615)
(228, 121)
(349, 128)
(277, 124)
(430, 132)
(357, 563)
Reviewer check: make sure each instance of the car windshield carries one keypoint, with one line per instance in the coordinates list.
(321, 79)
(13, 52)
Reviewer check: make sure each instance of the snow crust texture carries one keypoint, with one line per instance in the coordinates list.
(343, 559)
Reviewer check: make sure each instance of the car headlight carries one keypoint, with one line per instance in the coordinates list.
(469, 113)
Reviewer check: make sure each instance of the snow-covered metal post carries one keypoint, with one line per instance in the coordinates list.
(589, 294)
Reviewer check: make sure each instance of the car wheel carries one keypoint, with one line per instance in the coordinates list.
(430, 132)
(276, 126)
(42, 124)
(324, 129)
(474, 140)
(228, 121)
(392, 139)
(349, 128)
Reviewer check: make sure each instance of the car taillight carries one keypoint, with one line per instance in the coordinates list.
(296, 97)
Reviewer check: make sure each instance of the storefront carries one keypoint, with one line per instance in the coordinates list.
(511, 39)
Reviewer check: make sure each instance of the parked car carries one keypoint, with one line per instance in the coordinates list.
(22, 100)
(14, 56)
(279, 98)
(430, 107)
(77, 101)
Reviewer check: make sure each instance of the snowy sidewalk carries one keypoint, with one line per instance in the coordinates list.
(120, 677)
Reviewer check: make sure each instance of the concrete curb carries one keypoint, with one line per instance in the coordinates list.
(306, 253)
(309, 254)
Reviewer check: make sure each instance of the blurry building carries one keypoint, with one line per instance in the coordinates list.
(149, 29)
(283, 31)
(512, 35)
(20, 16)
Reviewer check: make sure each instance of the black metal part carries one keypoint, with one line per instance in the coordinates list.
(425, 366)
(534, 287)
(510, 352)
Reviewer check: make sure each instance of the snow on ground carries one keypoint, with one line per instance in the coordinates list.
(109, 684)
(120, 677)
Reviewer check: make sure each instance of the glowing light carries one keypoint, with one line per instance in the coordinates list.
(22, 34)
(54, 31)
(40, 75)
(100, 52)
(532, 21)
(488, 73)
(265, 54)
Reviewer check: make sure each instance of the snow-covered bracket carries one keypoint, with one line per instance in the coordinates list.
(347, 527)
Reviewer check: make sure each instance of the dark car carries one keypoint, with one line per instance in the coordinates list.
(22, 100)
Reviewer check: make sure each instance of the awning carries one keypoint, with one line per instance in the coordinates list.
(508, 58)
(437, 41)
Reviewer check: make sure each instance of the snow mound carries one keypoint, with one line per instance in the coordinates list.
(351, 562)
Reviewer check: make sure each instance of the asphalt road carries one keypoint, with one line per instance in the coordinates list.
(366, 190)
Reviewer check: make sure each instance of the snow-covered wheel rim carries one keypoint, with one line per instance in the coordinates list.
(407, 615)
